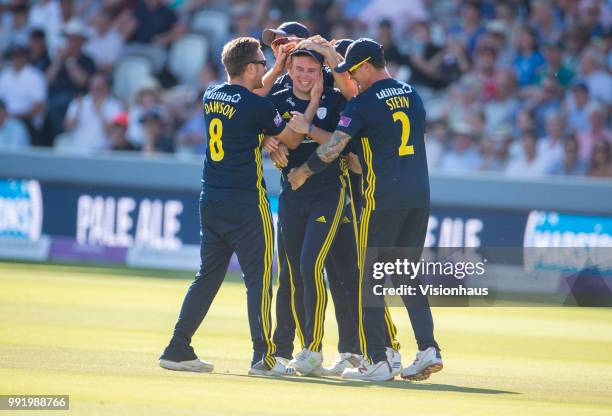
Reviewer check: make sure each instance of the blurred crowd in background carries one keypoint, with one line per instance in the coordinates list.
(517, 86)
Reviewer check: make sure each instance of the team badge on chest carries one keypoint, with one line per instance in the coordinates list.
(321, 112)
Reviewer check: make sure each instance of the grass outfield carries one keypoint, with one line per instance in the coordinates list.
(96, 334)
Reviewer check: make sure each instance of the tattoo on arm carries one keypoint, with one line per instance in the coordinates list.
(330, 151)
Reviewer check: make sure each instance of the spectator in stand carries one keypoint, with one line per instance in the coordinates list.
(594, 73)
(527, 163)
(502, 109)
(597, 131)
(47, 15)
(601, 161)
(156, 24)
(39, 55)
(545, 22)
(68, 76)
(117, 133)
(24, 89)
(89, 117)
(571, 164)
(575, 39)
(554, 67)
(436, 142)
(16, 28)
(464, 99)
(575, 106)
(590, 17)
(106, 43)
(497, 37)
(464, 155)
(192, 135)
(402, 15)
(543, 100)
(550, 147)
(13, 134)
(156, 139)
(485, 70)
(471, 28)
(385, 37)
(432, 66)
(528, 59)
(146, 97)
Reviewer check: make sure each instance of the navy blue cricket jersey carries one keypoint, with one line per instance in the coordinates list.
(387, 122)
(236, 121)
(285, 81)
(327, 116)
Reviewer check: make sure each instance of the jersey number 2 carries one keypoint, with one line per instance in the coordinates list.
(404, 149)
(215, 130)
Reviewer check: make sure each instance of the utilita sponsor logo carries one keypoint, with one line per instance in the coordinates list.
(21, 209)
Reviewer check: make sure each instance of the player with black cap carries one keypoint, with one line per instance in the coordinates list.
(388, 118)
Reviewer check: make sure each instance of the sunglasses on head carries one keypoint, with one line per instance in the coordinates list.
(283, 41)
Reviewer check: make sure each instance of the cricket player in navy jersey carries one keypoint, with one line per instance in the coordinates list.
(310, 220)
(234, 209)
(388, 120)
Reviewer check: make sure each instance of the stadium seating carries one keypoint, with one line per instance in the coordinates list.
(129, 73)
(213, 23)
(187, 57)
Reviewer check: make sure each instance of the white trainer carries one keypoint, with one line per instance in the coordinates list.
(284, 361)
(425, 363)
(345, 360)
(308, 362)
(197, 365)
(395, 360)
(381, 371)
(279, 370)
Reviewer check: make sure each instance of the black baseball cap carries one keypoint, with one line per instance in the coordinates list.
(342, 45)
(360, 51)
(286, 29)
(314, 54)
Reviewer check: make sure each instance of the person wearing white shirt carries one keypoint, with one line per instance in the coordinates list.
(106, 43)
(550, 148)
(527, 163)
(24, 89)
(89, 117)
(13, 134)
(464, 155)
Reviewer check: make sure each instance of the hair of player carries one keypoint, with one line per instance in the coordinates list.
(238, 53)
(378, 63)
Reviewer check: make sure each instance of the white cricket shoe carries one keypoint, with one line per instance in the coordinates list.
(425, 363)
(284, 361)
(395, 360)
(197, 365)
(381, 371)
(308, 362)
(345, 360)
(279, 370)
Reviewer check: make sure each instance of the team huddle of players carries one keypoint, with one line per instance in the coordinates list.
(341, 201)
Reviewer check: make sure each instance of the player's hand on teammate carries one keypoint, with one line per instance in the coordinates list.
(298, 123)
(270, 144)
(280, 157)
(297, 177)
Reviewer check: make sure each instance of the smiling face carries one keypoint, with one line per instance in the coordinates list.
(304, 71)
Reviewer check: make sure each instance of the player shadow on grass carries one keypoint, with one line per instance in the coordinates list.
(396, 384)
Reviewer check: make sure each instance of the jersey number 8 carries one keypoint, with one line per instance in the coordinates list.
(215, 145)
(404, 149)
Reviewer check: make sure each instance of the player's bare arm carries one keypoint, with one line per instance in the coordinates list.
(320, 160)
(280, 55)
